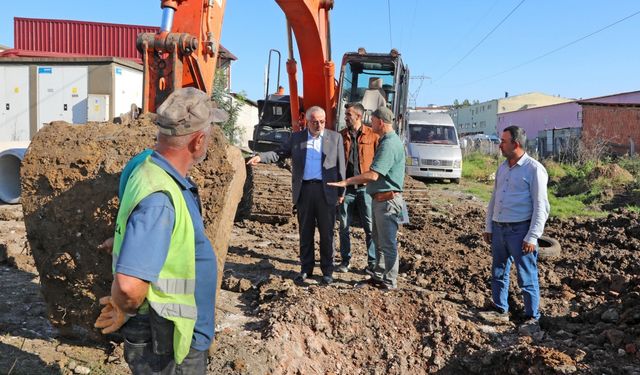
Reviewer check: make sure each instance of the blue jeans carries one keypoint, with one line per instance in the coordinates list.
(386, 216)
(506, 248)
(360, 200)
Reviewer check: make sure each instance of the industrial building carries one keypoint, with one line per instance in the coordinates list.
(553, 129)
(482, 118)
(71, 71)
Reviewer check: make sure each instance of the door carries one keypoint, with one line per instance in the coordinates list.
(14, 103)
(62, 94)
(128, 89)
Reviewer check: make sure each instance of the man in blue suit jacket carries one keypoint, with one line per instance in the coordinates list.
(317, 157)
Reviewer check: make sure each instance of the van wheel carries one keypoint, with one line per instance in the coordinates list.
(548, 247)
(455, 181)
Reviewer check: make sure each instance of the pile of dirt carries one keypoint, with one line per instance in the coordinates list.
(612, 172)
(70, 178)
(327, 330)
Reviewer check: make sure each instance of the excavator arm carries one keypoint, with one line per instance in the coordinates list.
(309, 20)
(184, 52)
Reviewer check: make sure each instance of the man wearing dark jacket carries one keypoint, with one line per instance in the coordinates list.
(317, 157)
(360, 143)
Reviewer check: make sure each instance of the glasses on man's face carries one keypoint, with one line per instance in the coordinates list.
(317, 122)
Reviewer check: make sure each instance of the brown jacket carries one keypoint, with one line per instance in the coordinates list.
(367, 145)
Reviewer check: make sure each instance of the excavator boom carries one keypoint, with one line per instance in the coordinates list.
(309, 20)
(184, 52)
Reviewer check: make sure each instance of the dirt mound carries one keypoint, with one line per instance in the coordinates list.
(70, 180)
(612, 172)
(326, 330)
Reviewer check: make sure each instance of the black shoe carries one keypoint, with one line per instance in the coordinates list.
(368, 282)
(301, 278)
(326, 280)
(386, 287)
(529, 327)
(342, 268)
(369, 271)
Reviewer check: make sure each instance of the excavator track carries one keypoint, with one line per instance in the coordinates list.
(267, 194)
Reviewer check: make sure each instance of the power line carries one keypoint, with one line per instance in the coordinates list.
(481, 40)
(475, 26)
(414, 95)
(389, 13)
(554, 50)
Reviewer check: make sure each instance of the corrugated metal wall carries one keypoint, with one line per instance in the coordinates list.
(75, 37)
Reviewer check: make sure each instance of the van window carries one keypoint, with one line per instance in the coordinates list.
(432, 134)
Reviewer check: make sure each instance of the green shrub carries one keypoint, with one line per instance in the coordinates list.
(555, 170)
(479, 167)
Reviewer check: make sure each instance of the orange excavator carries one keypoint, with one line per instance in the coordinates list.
(184, 54)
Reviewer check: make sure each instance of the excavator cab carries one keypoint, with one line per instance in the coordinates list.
(274, 126)
(373, 79)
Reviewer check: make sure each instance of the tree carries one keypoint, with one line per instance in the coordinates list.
(466, 103)
(230, 103)
(456, 104)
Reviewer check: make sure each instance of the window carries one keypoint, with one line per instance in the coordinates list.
(432, 134)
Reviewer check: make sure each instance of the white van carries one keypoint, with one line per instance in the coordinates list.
(432, 146)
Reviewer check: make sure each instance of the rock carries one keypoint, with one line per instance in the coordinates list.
(631, 348)
(579, 355)
(618, 283)
(610, 316)
(614, 336)
(81, 370)
(567, 295)
(621, 352)
(538, 336)
(565, 369)
(72, 365)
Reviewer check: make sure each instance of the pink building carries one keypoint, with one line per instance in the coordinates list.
(544, 124)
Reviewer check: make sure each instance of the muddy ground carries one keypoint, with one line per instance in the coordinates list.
(266, 324)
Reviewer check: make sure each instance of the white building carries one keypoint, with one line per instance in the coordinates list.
(482, 118)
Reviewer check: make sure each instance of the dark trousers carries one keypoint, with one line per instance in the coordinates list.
(313, 211)
(149, 351)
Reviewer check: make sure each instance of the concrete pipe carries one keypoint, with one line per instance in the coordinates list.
(10, 174)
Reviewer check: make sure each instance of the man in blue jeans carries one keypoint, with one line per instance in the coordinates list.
(516, 215)
(360, 144)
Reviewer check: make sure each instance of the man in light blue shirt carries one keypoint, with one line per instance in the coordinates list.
(317, 157)
(516, 215)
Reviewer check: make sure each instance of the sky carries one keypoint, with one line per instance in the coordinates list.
(455, 49)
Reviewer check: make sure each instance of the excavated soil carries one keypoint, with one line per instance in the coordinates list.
(69, 181)
(268, 325)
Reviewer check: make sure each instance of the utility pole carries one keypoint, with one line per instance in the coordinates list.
(413, 96)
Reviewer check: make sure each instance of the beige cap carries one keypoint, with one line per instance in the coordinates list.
(186, 111)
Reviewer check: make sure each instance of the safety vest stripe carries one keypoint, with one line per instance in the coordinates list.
(175, 310)
(175, 286)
